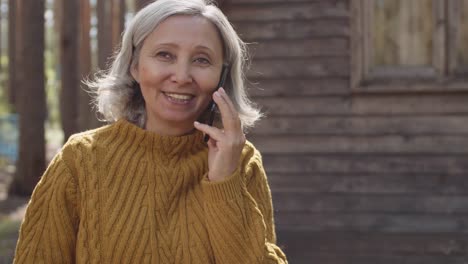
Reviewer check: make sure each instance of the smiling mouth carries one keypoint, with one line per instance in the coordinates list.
(178, 98)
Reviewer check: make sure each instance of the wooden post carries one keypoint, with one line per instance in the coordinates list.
(69, 67)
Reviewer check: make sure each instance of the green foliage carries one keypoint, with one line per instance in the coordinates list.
(4, 106)
(52, 85)
(8, 227)
(8, 237)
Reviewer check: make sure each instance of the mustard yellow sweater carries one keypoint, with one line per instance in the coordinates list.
(120, 194)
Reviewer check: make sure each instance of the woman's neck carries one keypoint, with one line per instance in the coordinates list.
(168, 129)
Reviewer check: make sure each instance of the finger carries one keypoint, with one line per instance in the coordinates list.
(211, 143)
(222, 104)
(228, 100)
(213, 132)
(229, 118)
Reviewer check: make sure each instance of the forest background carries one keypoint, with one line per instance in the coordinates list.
(44, 56)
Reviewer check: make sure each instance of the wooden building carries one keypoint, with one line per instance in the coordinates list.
(366, 137)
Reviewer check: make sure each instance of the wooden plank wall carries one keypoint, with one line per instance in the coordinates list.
(356, 178)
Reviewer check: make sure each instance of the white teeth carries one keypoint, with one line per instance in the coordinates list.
(179, 96)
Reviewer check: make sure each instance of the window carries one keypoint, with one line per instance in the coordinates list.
(417, 45)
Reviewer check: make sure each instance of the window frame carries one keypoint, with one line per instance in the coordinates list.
(453, 13)
(443, 76)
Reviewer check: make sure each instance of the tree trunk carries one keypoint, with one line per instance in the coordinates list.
(58, 15)
(118, 20)
(110, 26)
(69, 67)
(1, 50)
(104, 33)
(12, 86)
(139, 4)
(31, 99)
(86, 117)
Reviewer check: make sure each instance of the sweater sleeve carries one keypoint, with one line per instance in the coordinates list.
(48, 232)
(239, 215)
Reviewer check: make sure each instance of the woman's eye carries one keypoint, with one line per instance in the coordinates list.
(203, 61)
(164, 55)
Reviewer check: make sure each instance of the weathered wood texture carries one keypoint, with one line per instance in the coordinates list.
(356, 178)
(374, 247)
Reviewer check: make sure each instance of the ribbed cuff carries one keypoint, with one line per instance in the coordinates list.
(228, 189)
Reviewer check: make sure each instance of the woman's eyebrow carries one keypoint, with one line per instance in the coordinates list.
(204, 48)
(165, 44)
(170, 44)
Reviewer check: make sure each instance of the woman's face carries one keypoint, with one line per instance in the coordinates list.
(178, 69)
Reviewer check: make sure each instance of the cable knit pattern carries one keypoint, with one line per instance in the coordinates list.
(120, 194)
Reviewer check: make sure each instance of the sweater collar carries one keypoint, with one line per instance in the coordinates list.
(161, 145)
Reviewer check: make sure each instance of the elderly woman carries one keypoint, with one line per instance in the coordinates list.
(146, 188)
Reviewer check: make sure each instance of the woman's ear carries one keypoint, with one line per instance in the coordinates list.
(134, 72)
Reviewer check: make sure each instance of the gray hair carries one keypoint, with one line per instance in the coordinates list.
(117, 94)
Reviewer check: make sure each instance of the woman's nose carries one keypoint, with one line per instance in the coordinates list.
(181, 74)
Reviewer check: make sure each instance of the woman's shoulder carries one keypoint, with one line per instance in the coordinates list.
(250, 151)
(251, 162)
(250, 155)
(87, 139)
(83, 144)
(89, 135)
